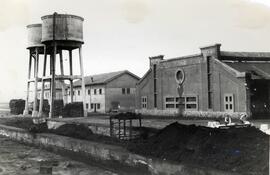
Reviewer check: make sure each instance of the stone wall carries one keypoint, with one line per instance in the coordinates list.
(109, 156)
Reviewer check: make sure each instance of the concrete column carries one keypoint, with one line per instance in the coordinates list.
(51, 114)
(83, 83)
(35, 112)
(71, 73)
(62, 81)
(26, 109)
(40, 114)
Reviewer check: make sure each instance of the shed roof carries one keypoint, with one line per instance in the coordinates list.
(246, 54)
(103, 78)
(258, 70)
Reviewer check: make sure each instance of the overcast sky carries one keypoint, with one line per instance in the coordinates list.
(122, 34)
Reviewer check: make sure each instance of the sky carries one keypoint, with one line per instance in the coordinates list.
(123, 34)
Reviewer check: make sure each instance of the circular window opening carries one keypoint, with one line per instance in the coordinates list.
(180, 76)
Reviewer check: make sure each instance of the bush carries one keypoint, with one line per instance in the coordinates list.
(73, 110)
(16, 106)
(58, 107)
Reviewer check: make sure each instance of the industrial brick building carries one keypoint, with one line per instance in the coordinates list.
(215, 81)
(107, 92)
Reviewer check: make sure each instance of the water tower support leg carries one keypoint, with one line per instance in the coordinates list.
(71, 73)
(62, 81)
(40, 114)
(83, 83)
(35, 112)
(26, 109)
(51, 114)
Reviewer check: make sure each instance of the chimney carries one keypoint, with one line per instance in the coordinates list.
(92, 79)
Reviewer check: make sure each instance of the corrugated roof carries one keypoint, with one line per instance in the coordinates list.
(257, 70)
(246, 54)
(102, 78)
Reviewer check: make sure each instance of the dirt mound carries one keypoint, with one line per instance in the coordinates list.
(79, 131)
(243, 150)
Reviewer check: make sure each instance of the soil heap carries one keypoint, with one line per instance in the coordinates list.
(242, 150)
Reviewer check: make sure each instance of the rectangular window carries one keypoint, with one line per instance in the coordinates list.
(123, 90)
(189, 102)
(170, 106)
(170, 102)
(73, 92)
(128, 90)
(169, 99)
(89, 91)
(79, 92)
(144, 102)
(228, 103)
(92, 106)
(95, 91)
(98, 105)
(100, 91)
(87, 105)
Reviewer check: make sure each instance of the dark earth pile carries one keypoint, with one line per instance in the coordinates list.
(73, 110)
(16, 106)
(242, 150)
(79, 131)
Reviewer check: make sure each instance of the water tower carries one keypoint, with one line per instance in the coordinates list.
(62, 32)
(35, 48)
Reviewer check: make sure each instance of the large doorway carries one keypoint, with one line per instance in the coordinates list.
(259, 98)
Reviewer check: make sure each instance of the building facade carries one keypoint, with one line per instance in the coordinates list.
(107, 92)
(215, 81)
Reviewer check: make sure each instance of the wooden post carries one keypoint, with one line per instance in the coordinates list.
(42, 85)
(26, 109)
(83, 83)
(119, 129)
(62, 73)
(71, 73)
(130, 128)
(51, 114)
(35, 112)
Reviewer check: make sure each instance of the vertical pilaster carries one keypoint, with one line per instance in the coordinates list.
(83, 83)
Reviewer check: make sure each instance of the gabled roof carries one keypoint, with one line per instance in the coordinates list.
(145, 75)
(103, 78)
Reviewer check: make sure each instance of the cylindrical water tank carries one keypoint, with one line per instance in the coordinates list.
(67, 28)
(34, 35)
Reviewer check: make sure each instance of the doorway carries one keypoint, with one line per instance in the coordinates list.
(259, 99)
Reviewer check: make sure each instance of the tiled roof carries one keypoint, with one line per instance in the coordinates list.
(102, 78)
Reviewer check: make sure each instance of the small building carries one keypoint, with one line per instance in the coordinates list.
(215, 81)
(47, 91)
(107, 92)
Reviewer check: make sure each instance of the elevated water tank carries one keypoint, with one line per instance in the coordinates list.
(34, 35)
(67, 28)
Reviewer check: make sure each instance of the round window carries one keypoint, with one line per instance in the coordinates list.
(180, 76)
